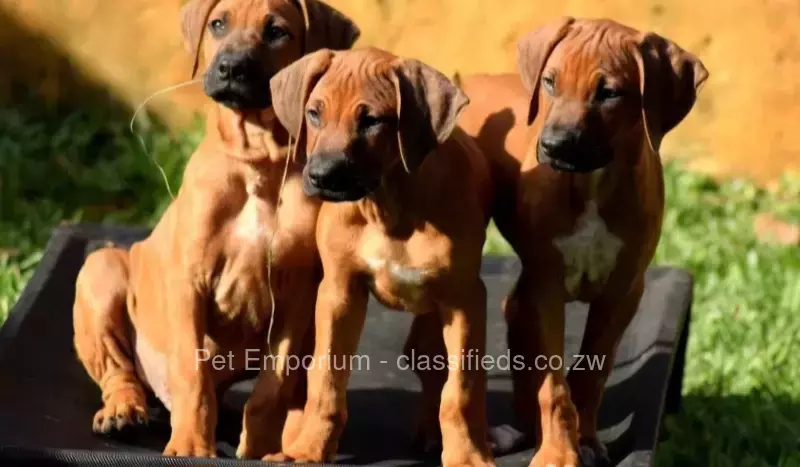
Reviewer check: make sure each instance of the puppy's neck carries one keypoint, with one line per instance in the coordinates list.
(593, 186)
(605, 186)
(391, 205)
(254, 136)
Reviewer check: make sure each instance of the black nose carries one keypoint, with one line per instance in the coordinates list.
(560, 142)
(333, 176)
(329, 170)
(233, 66)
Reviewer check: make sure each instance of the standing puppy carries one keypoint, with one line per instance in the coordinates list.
(225, 254)
(406, 209)
(585, 202)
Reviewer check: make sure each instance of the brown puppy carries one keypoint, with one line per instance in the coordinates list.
(581, 200)
(407, 208)
(201, 287)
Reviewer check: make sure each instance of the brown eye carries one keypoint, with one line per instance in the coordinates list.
(371, 123)
(607, 93)
(313, 117)
(218, 27)
(274, 33)
(368, 121)
(549, 84)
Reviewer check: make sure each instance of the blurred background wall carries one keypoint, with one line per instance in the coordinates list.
(102, 52)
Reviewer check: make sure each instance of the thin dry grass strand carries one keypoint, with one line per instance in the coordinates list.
(139, 137)
(289, 157)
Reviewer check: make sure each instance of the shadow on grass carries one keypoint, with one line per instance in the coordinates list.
(67, 154)
(758, 429)
(65, 142)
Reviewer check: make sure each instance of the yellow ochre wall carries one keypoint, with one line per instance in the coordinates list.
(744, 123)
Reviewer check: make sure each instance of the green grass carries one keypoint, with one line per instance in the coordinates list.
(742, 383)
(85, 166)
(742, 377)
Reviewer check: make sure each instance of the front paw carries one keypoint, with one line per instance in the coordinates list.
(255, 443)
(316, 443)
(190, 445)
(302, 453)
(295, 458)
(279, 457)
(473, 459)
(550, 455)
(119, 416)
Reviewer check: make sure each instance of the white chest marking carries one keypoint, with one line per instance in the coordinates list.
(591, 250)
(404, 276)
(249, 225)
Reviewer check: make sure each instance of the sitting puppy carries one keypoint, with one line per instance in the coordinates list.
(228, 250)
(407, 197)
(580, 196)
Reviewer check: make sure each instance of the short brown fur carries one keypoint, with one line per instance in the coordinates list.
(200, 280)
(414, 241)
(536, 204)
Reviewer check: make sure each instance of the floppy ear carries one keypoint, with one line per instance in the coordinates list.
(533, 51)
(292, 86)
(327, 27)
(669, 80)
(194, 16)
(428, 106)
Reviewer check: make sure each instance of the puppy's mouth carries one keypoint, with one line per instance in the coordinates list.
(239, 80)
(580, 163)
(239, 95)
(335, 179)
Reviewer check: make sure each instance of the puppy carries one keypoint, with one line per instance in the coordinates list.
(407, 197)
(228, 251)
(581, 200)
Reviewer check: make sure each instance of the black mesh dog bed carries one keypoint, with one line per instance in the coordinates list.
(47, 401)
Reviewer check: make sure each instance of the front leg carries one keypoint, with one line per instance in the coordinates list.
(266, 409)
(339, 320)
(193, 415)
(462, 414)
(609, 316)
(297, 401)
(535, 317)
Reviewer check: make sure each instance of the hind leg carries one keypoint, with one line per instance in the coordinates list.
(103, 339)
(426, 354)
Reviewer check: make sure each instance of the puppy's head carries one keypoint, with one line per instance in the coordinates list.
(362, 113)
(600, 90)
(245, 42)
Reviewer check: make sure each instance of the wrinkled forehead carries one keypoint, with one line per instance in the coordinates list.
(258, 12)
(594, 49)
(360, 77)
